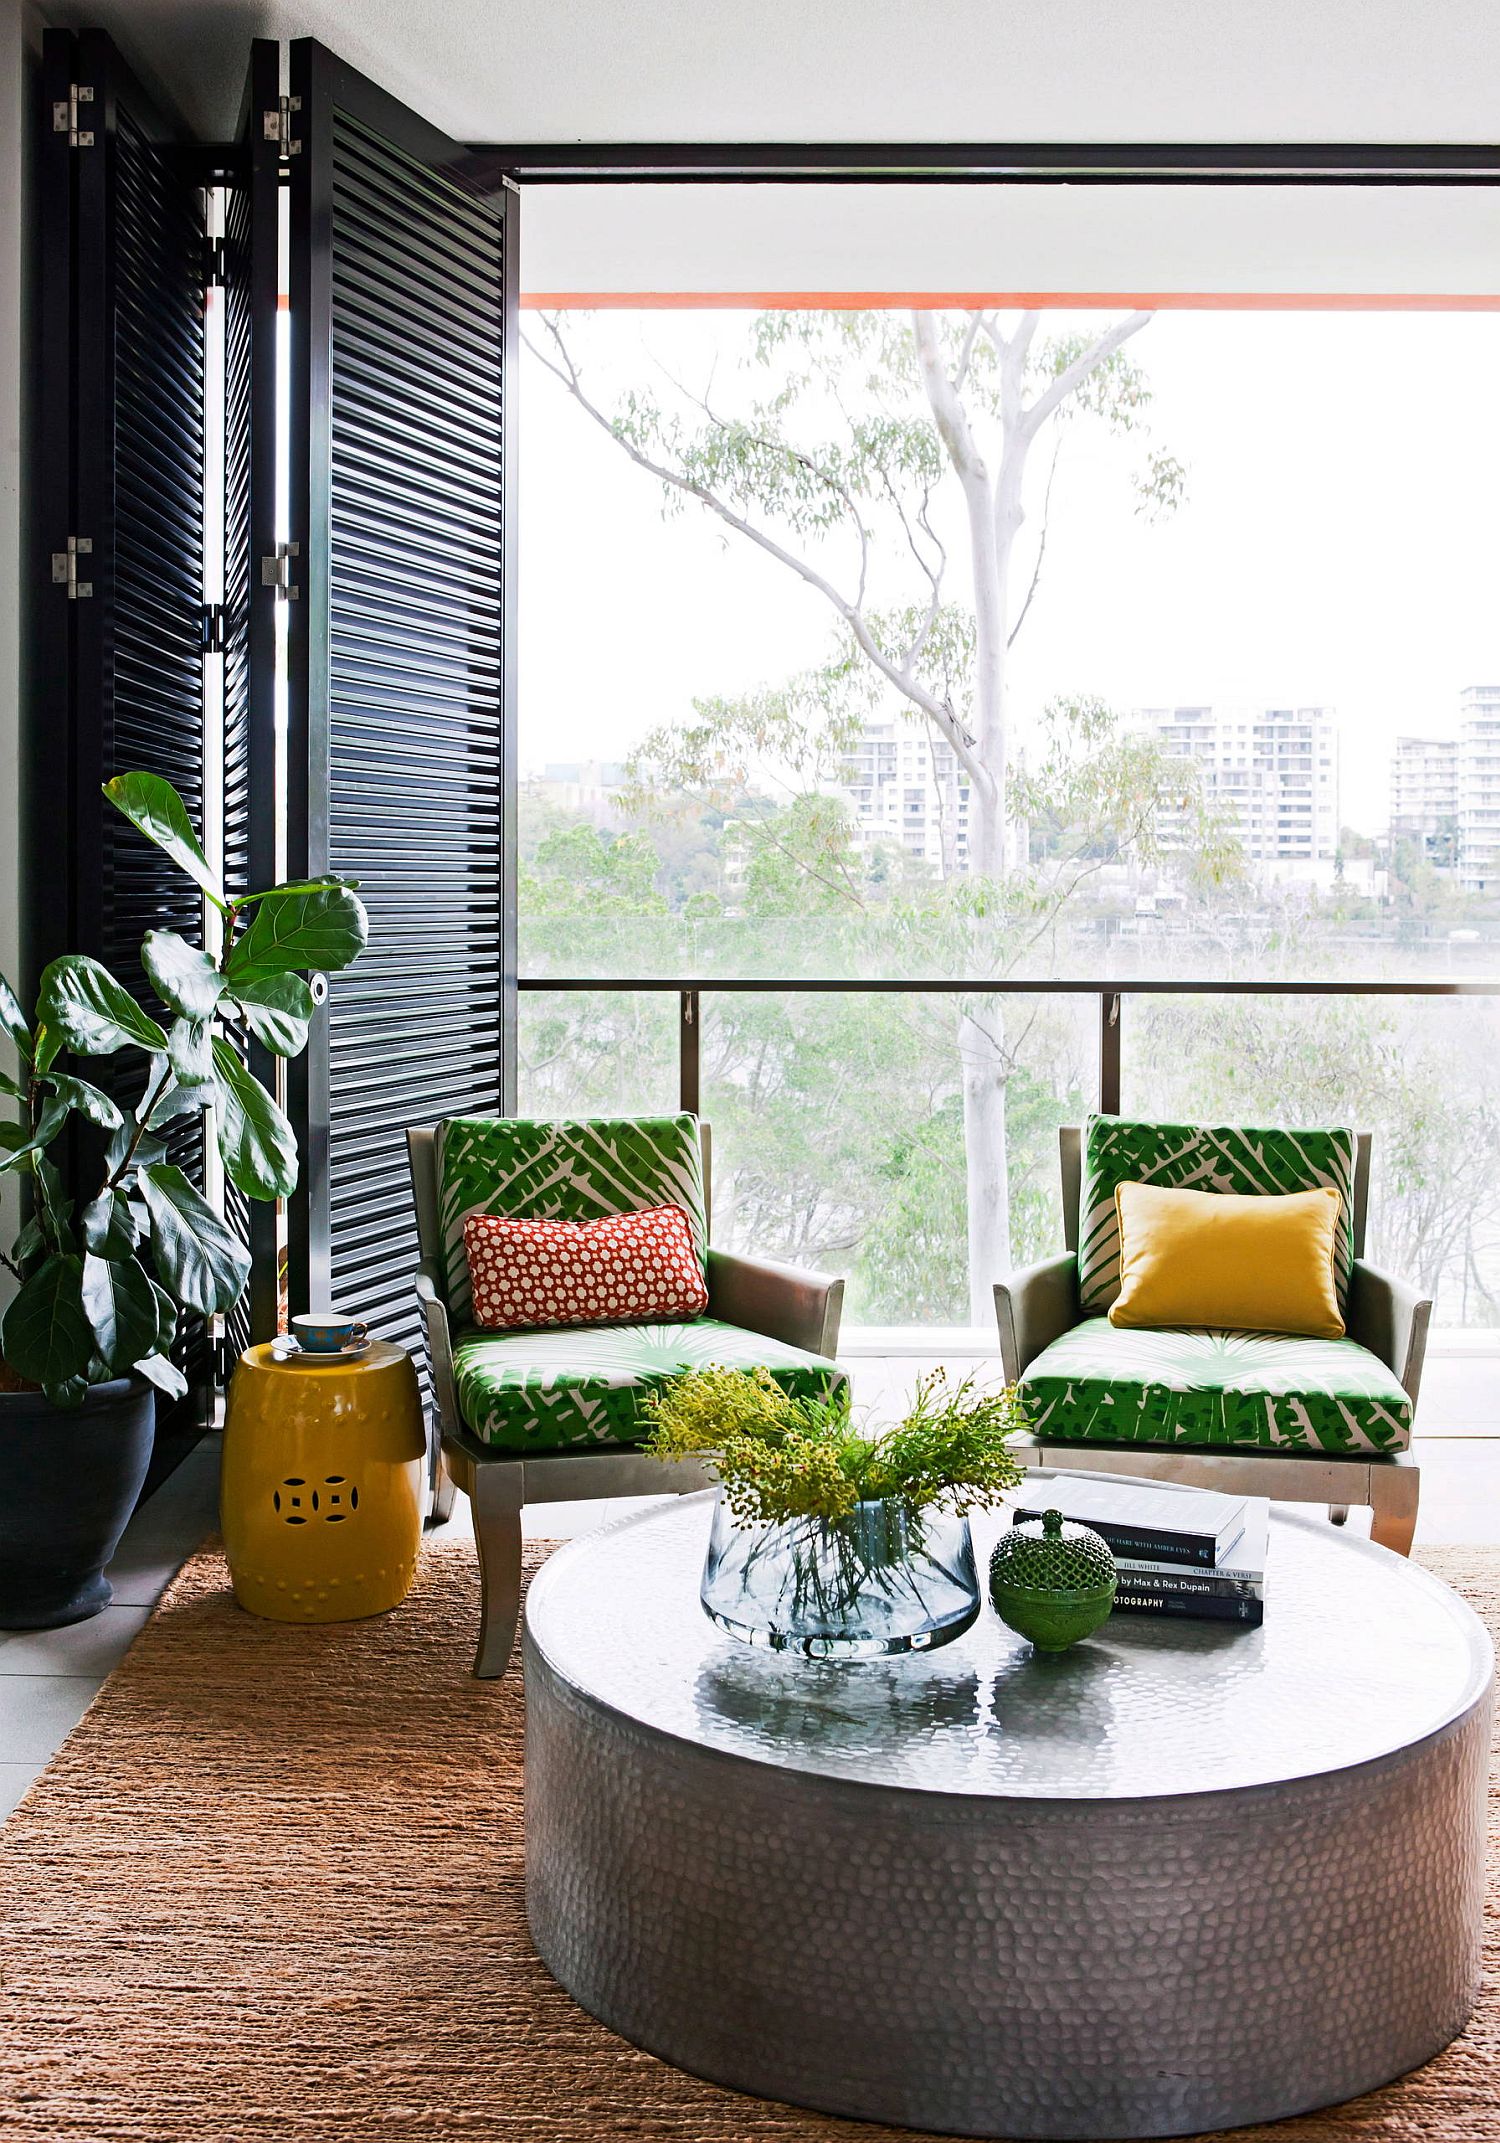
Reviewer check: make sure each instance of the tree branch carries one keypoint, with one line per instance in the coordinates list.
(1073, 376)
(850, 611)
(1041, 548)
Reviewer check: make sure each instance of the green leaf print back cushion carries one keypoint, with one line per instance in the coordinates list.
(1202, 1157)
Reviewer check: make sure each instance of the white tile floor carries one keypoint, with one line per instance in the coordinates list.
(48, 1678)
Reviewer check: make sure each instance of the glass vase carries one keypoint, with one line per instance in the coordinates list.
(877, 1582)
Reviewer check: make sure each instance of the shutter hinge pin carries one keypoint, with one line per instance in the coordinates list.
(65, 116)
(213, 263)
(65, 568)
(277, 125)
(276, 571)
(213, 629)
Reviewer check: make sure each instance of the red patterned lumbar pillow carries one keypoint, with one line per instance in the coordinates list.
(628, 1268)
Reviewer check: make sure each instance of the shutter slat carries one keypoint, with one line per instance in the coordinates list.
(405, 781)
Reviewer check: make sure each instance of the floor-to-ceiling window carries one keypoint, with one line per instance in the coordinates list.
(999, 586)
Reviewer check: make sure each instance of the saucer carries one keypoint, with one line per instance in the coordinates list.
(286, 1349)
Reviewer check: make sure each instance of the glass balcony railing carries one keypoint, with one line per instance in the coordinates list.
(904, 1132)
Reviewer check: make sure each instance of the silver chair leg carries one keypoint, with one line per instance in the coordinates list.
(1338, 1514)
(444, 1490)
(496, 1501)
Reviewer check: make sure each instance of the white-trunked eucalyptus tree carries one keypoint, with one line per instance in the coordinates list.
(890, 461)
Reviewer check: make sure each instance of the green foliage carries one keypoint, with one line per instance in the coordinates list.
(100, 1296)
(154, 807)
(297, 929)
(580, 871)
(278, 1010)
(782, 1458)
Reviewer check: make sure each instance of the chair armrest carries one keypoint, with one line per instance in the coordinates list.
(1391, 1319)
(429, 1282)
(802, 1309)
(1033, 1308)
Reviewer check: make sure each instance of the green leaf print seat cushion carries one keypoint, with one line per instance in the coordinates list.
(577, 1387)
(554, 1390)
(1215, 1390)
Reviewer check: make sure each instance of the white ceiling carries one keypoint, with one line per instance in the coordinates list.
(880, 70)
(966, 244)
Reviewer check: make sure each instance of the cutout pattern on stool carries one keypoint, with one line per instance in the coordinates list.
(298, 1501)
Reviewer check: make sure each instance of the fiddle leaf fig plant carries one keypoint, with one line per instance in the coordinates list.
(101, 1286)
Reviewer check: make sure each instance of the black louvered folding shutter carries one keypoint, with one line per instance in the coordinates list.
(250, 280)
(403, 295)
(138, 272)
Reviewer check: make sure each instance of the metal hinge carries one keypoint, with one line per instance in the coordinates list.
(65, 116)
(276, 571)
(277, 125)
(213, 628)
(65, 568)
(213, 264)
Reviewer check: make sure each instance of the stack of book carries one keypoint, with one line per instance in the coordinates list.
(1178, 1551)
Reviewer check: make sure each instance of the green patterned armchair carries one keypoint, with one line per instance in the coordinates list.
(1305, 1420)
(558, 1415)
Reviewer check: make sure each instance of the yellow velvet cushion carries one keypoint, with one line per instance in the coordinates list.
(1257, 1264)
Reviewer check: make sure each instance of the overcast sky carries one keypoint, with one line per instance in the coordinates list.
(1339, 544)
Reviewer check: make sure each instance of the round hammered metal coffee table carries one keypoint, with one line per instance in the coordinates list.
(1183, 1877)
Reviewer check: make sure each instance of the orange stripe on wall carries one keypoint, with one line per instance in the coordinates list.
(980, 300)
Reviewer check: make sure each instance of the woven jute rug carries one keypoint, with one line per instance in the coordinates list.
(271, 1889)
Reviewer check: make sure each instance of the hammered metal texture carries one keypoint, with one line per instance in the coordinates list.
(1182, 1878)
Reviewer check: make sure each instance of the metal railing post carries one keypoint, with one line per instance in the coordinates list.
(688, 1057)
(1109, 1052)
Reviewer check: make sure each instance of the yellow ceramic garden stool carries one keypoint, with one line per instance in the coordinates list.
(321, 1490)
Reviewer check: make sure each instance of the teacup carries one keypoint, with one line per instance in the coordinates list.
(325, 1332)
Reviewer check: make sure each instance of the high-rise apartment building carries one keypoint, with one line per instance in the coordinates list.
(1479, 787)
(1424, 788)
(1275, 770)
(903, 785)
(1445, 791)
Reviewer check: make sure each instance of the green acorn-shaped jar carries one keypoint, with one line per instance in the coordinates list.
(1053, 1586)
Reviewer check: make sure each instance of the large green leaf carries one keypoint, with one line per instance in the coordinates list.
(179, 1101)
(172, 1099)
(55, 1207)
(150, 1149)
(164, 1374)
(155, 807)
(277, 1009)
(190, 1052)
(109, 1228)
(13, 1019)
(258, 1145)
(120, 1306)
(46, 1337)
(166, 1319)
(321, 930)
(182, 975)
(82, 1005)
(86, 1099)
(198, 1259)
(50, 1120)
(294, 885)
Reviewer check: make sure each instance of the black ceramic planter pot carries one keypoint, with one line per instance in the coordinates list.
(69, 1478)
